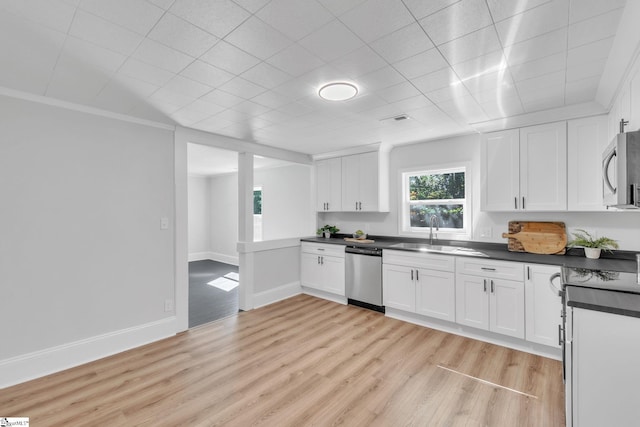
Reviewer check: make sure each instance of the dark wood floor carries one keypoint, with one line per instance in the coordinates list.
(301, 362)
(208, 303)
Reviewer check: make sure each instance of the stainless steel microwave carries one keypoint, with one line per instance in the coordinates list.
(621, 171)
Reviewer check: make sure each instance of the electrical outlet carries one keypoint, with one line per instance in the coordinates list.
(164, 223)
(485, 232)
(168, 305)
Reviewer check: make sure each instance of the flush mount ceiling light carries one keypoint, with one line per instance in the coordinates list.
(338, 91)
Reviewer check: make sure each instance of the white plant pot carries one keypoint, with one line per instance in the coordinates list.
(593, 253)
(327, 234)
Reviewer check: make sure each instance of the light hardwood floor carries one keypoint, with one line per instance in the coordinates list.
(303, 361)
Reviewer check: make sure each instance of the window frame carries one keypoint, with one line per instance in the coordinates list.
(404, 221)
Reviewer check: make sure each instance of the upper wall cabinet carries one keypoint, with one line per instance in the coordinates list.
(329, 185)
(586, 140)
(354, 183)
(525, 170)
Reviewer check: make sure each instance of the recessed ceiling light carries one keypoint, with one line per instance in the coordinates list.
(338, 91)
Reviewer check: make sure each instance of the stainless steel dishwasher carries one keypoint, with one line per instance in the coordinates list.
(363, 277)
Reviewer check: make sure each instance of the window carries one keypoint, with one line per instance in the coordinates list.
(440, 192)
(257, 214)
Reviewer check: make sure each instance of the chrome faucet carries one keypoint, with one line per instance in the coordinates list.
(431, 221)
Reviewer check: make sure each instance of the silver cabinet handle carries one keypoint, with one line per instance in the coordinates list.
(523, 203)
(528, 273)
(360, 205)
(321, 260)
(327, 205)
(487, 269)
(492, 288)
(605, 170)
(559, 335)
(318, 260)
(411, 274)
(417, 276)
(484, 283)
(515, 203)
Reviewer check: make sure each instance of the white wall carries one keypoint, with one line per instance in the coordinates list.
(223, 199)
(199, 208)
(287, 209)
(622, 226)
(81, 253)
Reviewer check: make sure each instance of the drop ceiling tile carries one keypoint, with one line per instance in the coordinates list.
(76, 84)
(164, 4)
(494, 83)
(242, 88)
(250, 108)
(293, 18)
(540, 83)
(186, 116)
(380, 79)
(257, 38)
(421, 8)
(456, 20)
(27, 63)
(104, 33)
(53, 14)
(539, 67)
(403, 43)
(296, 109)
(82, 54)
(295, 60)
(229, 58)
(587, 70)
(482, 65)
(145, 110)
(271, 99)
(338, 7)
(544, 103)
(376, 18)
(169, 101)
(275, 116)
(145, 72)
(212, 124)
(331, 41)
(207, 74)
(594, 29)
(421, 64)
(589, 52)
(436, 80)
(205, 106)
(504, 91)
(537, 47)
(447, 93)
(217, 17)
(188, 87)
(361, 61)
(123, 93)
(501, 10)
(502, 108)
(233, 116)
(222, 98)
(298, 88)
(136, 15)
(252, 5)
(266, 75)
(181, 35)
(398, 92)
(585, 9)
(534, 22)
(364, 102)
(465, 109)
(582, 90)
(162, 56)
(471, 46)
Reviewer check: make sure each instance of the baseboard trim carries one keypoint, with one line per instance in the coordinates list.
(477, 334)
(280, 293)
(214, 256)
(48, 361)
(340, 299)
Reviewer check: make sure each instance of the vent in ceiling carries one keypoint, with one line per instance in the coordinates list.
(395, 118)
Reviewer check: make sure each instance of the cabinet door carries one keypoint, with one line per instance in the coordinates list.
(435, 294)
(350, 183)
(500, 171)
(542, 306)
(329, 185)
(333, 274)
(398, 289)
(368, 181)
(543, 167)
(472, 301)
(506, 304)
(311, 274)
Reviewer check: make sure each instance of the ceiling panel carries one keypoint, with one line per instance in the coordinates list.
(252, 68)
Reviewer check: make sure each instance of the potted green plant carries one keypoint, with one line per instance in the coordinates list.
(592, 246)
(328, 230)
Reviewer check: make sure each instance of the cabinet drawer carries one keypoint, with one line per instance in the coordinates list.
(323, 249)
(492, 269)
(418, 260)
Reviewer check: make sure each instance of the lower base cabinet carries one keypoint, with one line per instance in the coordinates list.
(543, 305)
(322, 268)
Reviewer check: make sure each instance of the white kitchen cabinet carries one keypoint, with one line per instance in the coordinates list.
(419, 283)
(586, 140)
(542, 305)
(525, 170)
(323, 268)
(329, 185)
(360, 182)
(486, 300)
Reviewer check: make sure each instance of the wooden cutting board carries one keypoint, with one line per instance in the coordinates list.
(351, 239)
(537, 237)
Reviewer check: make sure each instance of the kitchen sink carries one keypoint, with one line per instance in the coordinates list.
(425, 247)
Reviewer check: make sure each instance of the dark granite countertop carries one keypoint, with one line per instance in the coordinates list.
(616, 261)
(622, 303)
